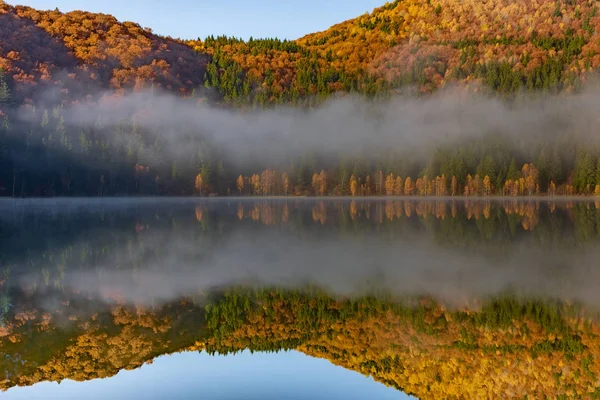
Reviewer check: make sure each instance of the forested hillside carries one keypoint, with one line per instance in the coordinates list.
(52, 61)
(503, 45)
(79, 53)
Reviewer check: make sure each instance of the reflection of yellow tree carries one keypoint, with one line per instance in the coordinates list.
(487, 208)
(423, 348)
(199, 213)
(353, 209)
(438, 355)
(267, 214)
(390, 210)
(440, 210)
(409, 207)
(319, 212)
(285, 214)
(255, 213)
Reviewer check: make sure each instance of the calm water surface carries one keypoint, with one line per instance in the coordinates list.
(299, 298)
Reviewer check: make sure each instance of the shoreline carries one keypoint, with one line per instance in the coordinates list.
(545, 198)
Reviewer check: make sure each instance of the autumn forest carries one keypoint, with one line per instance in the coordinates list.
(52, 64)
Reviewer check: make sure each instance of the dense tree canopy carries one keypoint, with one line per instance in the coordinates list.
(79, 53)
(52, 60)
(502, 44)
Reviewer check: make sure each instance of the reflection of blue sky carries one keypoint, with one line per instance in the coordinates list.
(260, 376)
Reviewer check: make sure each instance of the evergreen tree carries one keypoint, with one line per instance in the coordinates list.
(597, 172)
(584, 173)
(4, 89)
(487, 166)
(555, 169)
(513, 170)
(543, 164)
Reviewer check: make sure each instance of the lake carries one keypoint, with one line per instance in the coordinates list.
(292, 298)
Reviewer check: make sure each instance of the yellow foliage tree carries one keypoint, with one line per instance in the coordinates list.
(454, 186)
(323, 183)
(315, 183)
(389, 185)
(487, 185)
(285, 182)
(198, 184)
(552, 188)
(353, 185)
(255, 180)
(240, 184)
(408, 186)
(399, 186)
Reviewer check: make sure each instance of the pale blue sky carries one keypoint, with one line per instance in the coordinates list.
(259, 376)
(190, 19)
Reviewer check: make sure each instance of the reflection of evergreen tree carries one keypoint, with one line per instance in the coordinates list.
(5, 301)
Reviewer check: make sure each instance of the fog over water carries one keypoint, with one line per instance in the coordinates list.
(158, 251)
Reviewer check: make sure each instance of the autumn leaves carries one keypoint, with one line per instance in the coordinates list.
(329, 183)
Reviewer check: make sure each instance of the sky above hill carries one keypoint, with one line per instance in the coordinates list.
(190, 19)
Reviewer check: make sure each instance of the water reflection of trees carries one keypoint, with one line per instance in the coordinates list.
(488, 349)
(274, 212)
(527, 215)
(503, 348)
(54, 241)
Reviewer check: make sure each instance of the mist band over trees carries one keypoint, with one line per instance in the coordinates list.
(378, 105)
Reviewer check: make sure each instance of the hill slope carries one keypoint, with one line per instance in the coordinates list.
(537, 43)
(503, 44)
(85, 52)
